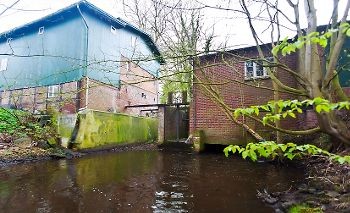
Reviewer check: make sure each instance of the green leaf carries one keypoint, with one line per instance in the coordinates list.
(252, 155)
(291, 114)
(341, 160)
(284, 147)
(256, 110)
(348, 32)
(323, 42)
(275, 50)
(299, 110)
(290, 156)
(245, 154)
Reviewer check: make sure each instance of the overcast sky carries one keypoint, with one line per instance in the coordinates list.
(228, 26)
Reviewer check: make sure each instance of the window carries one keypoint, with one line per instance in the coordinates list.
(53, 91)
(255, 69)
(113, 30)
(41, 31)
(3, 64)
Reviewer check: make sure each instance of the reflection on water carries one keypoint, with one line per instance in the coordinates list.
(147, 181)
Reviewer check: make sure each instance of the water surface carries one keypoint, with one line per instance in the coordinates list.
(175, 180)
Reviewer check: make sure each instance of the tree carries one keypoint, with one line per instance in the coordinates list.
(318, 53)
(177, 28)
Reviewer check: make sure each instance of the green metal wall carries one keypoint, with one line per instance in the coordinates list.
(54, 57)
(105, 49)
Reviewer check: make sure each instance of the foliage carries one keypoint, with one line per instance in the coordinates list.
(21, 123)
(303, 208)
(9, 122)
(272, 150)
(288, 108)
(286, 47)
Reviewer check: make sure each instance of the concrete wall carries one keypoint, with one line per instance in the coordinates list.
(101, 129)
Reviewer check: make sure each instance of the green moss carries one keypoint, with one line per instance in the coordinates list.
(98, 129)
(304, 208)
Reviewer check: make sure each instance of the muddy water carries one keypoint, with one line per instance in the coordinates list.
(173, 180)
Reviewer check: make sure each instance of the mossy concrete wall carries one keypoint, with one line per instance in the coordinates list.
(95, 129)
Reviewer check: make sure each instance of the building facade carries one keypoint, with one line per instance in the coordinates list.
(78, 58)
(241, 82)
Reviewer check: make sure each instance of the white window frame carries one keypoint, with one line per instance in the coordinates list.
(255, 69)
(53, 91)
(3, 64)
(113, 30)
(41, 30)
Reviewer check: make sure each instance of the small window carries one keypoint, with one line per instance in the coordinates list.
(113, 30)
(41, 31)
(255, 69)
(53, 91)
(3, 65)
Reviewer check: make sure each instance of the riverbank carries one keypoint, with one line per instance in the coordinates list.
(25, 151)
(326, 189)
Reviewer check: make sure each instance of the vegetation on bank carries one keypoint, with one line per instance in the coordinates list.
(274, 111)
(16, 124)
(25, 136)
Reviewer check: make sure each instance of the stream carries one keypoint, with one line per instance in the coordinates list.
(170, 180)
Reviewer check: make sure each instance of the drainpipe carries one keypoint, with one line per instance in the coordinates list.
(85, 58)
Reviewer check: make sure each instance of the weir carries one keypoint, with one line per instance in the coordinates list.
(91, 129)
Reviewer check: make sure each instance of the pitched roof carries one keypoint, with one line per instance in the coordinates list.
(72, 11)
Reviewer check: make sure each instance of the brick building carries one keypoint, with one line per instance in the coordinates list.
(231, 74)
(78, 58)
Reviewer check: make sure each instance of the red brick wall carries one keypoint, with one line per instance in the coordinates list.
(205, 113)
(36, 99)
(137, 87)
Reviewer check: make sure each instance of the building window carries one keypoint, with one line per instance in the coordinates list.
(53, 91)
(41, 31)
(255, 69)
(3, 64)
(113, 30)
